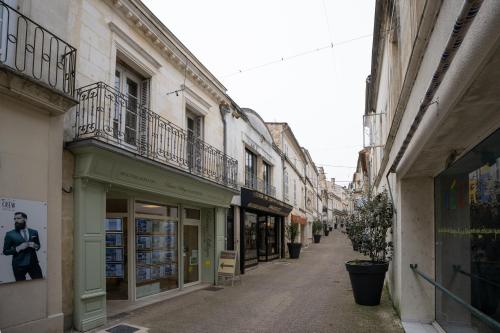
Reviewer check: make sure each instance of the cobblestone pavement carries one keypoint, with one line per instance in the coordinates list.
(311, 294)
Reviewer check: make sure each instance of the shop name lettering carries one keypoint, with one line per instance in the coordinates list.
(468, 231)
(7, 204)
(131, 175)
(265, 197)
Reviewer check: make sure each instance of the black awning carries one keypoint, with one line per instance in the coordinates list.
(259, 201)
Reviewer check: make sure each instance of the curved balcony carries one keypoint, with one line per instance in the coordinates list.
(109, 116)
(30, 50)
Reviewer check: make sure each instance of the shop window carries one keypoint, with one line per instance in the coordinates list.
(250, 239)
(467, 197)
(156, 237)
(230, 229)
(115, 227)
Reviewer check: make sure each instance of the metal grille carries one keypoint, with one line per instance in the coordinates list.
(103, 111)
(32, 50)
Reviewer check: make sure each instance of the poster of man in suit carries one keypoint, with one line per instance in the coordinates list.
(23, 240)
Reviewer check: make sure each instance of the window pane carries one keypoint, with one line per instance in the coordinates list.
(467, 199)
(150, 208)
(156, 256)
(193, 214)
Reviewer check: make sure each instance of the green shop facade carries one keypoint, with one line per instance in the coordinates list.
(143, 229)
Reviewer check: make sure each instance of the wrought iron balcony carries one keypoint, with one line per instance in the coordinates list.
(31, 50)
(255, 183)
(109, 116)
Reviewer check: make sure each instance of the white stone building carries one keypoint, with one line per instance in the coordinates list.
(293, 176)
(256, 219)
(433, 124)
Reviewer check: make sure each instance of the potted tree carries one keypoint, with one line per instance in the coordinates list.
(326, 229)
(317, 227)
(292, 231)
(371, 221)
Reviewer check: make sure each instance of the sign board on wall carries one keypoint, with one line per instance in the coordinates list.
(23, 240)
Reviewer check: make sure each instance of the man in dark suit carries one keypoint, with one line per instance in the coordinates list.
(22, 244)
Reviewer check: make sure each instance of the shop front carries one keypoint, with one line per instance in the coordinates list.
(262, 228)
(142, 232)
(467, 196)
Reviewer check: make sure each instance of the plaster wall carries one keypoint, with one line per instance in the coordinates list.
(30, 169)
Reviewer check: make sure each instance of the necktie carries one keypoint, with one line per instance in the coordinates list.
(25, 235)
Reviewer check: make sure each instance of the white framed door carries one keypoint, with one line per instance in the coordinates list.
(191, 246)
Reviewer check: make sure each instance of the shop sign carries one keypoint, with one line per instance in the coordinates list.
(260, 201)
(227, 263)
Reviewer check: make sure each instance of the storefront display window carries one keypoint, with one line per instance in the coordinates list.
(115, 227)
(467, 242)
(156, 250)
(250, 235)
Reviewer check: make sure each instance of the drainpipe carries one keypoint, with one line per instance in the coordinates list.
(224, 109)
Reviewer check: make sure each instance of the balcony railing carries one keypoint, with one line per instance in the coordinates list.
(255, 183)
(30, 49)
(109, 116)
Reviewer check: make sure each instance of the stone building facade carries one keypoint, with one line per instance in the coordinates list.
(433, 121)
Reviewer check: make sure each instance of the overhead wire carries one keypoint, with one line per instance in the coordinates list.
(300, 54)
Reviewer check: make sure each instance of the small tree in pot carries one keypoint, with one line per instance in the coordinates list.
(369, 227)
(326, 229)
(317, 227)
(291, 232)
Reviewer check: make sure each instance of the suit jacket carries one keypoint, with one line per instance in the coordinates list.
(25, 257)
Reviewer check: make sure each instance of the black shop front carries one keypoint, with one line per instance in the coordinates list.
(262, 231)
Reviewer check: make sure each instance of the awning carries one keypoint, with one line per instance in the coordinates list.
(298, 219)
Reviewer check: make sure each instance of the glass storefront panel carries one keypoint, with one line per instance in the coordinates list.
(272, 237)
(115, 227)
(262, 238)
(467, 237)
(156, 251)
(191, 253)
(250, 239)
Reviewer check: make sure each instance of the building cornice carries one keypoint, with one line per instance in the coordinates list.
(143, 21)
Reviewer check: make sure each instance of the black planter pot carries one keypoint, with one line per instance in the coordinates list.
(335, 225)
(317, 238)
(341, 225)
(294, 250)
(327, 232)
(367, 280)
(331, 228)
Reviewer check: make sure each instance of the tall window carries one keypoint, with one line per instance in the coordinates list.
(285, 176)
(195, 135)
(130, 116)
(295, 192)
(266, 177)
(250, 169)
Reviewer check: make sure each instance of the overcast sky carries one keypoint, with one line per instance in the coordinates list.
(320, 94)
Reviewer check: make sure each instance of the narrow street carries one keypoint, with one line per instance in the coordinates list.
(312, 294)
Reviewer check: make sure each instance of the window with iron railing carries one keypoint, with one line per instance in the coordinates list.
(121, 120)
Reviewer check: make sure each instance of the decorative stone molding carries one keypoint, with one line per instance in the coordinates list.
(35, 92)
(161, 39)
